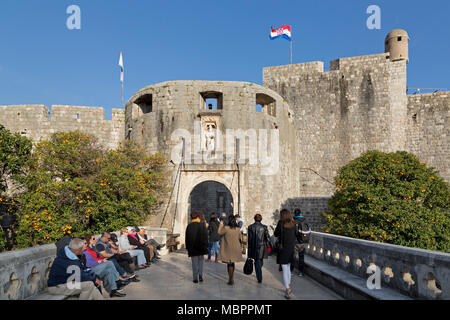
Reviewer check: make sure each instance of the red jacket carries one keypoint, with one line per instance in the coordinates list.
(94, 254)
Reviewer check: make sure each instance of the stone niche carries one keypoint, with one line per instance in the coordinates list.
(211, 122)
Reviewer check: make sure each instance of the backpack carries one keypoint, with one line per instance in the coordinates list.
(303, 232)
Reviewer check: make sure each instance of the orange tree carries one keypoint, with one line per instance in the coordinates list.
(15, 150)
(75, 187)
(393, 198)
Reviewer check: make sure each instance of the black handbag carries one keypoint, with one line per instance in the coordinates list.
(278, 246)
(248, 266)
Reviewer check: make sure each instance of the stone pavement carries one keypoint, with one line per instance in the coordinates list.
(171, 279)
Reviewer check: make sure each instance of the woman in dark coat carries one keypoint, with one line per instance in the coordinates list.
(196, 245)
(285, 230)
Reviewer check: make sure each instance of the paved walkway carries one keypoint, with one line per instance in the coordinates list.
(171, 279)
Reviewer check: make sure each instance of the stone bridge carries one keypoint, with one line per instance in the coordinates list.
(336, 268)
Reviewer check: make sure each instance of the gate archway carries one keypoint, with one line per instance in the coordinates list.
(189, 181)
(211, 197)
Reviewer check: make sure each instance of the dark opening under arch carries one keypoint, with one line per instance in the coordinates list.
(210, 196)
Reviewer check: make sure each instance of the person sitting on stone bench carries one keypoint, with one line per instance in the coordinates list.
(103, 269)
(121, 259)
(153, 245)
(134, 241)
(124, 245)
(67, 268)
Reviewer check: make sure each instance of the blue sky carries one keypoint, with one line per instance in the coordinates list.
(42, 62)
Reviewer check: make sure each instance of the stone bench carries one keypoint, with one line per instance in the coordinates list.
(24, 273)
(47, 296)
(172, 242)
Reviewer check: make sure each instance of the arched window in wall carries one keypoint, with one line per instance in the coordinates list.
(145, 103)
(265, 104)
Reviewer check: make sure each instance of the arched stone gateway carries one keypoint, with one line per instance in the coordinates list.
(211, 197)
(190, 181)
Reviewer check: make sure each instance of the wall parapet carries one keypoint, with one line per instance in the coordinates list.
(418, 273)
(24, 272)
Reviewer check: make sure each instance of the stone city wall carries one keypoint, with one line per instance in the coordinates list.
(36, 122)
(428, 130)
(359, 105)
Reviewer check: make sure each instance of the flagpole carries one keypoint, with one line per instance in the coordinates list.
(122, 97)
(291, 50)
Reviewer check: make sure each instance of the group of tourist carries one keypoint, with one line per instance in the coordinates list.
(98, 269)
(224, 238)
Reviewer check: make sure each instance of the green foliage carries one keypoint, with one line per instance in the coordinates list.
(2, 240)
(393, 198)
(75, 187)
(14, 153)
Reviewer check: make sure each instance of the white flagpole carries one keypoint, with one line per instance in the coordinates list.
(291, 49)
(291, 45)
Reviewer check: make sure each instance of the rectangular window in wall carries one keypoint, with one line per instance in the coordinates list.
(266, 104)
(211, 100)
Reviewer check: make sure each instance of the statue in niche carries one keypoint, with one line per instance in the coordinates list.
(210, 136)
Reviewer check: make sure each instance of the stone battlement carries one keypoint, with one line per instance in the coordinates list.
(37, 122)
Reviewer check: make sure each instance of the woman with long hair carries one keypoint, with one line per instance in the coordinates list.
(230, 247)
(285, 232)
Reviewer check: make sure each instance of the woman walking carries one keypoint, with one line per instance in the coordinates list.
(230, 247)
(213, 238)
(286, 232)
(196, 245)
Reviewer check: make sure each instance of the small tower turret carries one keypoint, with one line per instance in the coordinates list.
(396, 44)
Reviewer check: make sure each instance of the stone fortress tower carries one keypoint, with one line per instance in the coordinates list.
(323, 120)
(396, 44)
(237, 175)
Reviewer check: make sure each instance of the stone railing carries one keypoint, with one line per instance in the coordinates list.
(24, 272)
(418, 273)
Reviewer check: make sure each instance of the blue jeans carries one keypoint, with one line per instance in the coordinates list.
(108, 273)
(213, 245)
(139, 254)
(119, 269)
(258, 268)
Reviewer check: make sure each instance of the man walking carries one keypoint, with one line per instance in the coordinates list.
(303, 234)
(258, 237)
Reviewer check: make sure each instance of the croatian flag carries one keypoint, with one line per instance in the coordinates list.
(284, 31)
